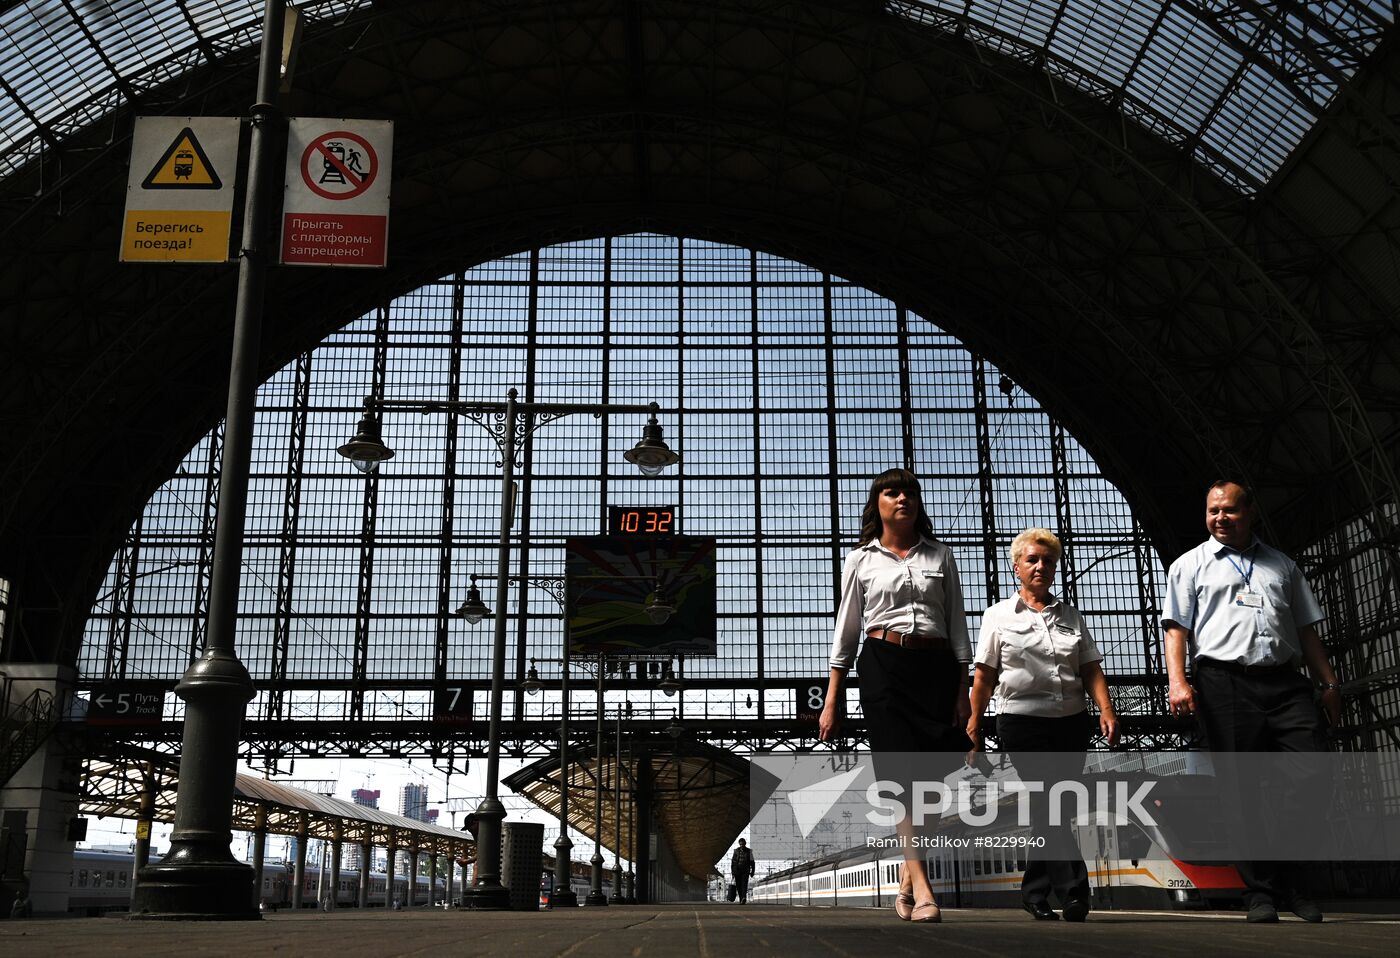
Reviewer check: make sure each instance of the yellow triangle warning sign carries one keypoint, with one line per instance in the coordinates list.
(183, 166)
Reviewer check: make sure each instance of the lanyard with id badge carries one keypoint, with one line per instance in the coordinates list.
(1246, 597)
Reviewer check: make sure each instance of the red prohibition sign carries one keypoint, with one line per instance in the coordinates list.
(339, 165)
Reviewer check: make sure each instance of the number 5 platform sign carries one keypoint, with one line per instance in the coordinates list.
(336, 208)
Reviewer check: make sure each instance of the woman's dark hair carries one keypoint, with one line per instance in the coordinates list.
(871, 527)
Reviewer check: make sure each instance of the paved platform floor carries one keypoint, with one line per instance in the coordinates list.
(705, 931)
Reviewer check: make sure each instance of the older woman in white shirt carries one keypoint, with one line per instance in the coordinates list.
(1036, 651)
(900, 590)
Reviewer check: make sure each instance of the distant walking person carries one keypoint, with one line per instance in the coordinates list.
(741, 866)
(1249, 619)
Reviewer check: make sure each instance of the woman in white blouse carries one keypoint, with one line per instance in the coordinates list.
(900, 590)
(1037, 653)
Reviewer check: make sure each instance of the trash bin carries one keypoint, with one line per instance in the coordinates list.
(522, 860)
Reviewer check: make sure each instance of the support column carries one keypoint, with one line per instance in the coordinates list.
(432, 879)
(390, 868)
(335, 864)
(366, 850)
(299, 868)
(259, 854)
(141, 856)
(200, 878)
(451, 872)
(411, 893)
(986, 487)
(642, 850)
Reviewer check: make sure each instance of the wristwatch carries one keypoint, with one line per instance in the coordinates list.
(1328, 686)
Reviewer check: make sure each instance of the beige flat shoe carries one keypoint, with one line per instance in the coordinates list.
(904, 901)
(926, 912)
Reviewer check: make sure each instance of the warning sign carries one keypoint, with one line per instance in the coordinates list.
(179, 191)
(185, 166)
(339, 165)
(336, 210)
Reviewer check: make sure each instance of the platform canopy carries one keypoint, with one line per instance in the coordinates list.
(114, 787)
(697, 796)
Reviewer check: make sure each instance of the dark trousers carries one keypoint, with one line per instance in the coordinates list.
(742, 883)
(1258, 711)
(1023, 736)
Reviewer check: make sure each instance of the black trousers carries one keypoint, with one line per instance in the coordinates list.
(1023, 736)
(742, 883)
(1259, 711)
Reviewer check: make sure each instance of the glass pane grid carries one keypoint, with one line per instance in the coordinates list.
(347, 569)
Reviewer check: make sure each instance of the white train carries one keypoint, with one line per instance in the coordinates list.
(278, 883)
(101, 881)
(1129, 867)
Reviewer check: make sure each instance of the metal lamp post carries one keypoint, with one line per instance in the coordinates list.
(595, 889)
(631, 820)
(199, 878)
(617, 897)
(503, 422)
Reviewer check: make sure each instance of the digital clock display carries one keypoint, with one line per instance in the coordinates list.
(641, 520)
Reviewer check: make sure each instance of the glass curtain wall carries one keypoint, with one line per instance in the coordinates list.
(785, 389)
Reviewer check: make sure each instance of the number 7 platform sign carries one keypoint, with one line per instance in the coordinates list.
(336, 207)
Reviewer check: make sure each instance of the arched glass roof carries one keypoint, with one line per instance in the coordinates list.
(1236, 84)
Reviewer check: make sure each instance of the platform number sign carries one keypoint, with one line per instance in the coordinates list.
(811, 699)
(128, 703)
(452, 703)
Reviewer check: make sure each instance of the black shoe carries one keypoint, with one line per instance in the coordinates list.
(1304, 909)
(1076, 909)
(1262, 912)
(1040, 910)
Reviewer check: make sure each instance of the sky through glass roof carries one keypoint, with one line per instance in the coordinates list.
(1237, 84)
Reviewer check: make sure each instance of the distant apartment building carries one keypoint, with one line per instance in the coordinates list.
(414, 804)
(369, 798)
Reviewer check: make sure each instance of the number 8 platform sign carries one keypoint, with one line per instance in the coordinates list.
(336, 206)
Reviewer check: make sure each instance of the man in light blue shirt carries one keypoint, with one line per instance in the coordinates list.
(1249, 619)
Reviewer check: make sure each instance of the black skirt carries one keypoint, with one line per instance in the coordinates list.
(909, 697)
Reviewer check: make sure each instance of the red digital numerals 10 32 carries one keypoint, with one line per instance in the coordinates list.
(649, 521)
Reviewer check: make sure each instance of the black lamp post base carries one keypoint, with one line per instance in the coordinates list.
(563, 898)
(595, 898)
(487, 898)
(195, 891)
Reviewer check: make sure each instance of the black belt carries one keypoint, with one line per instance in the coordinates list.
(1235, 668)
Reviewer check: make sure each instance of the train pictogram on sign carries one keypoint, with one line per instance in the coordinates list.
(183, 166)
(339, 165)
